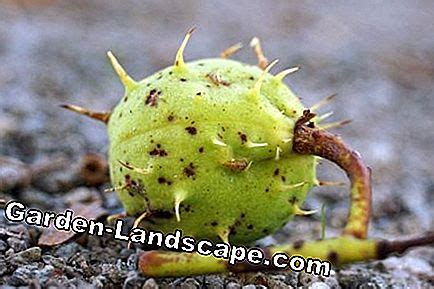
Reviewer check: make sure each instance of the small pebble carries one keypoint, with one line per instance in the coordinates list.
(233, 285)
(3, 246)
(27, 256)
(112, 272)
(66, 251)
(21, 276)
(16, 244)
(3, 267)
(213, 282)
(99, 281)
(133, 280)
(190, 283)
(319, 285)
(54, 261)
(44, 274)
(132, 262)
(125, 253)
(150, 284)
(306, 279)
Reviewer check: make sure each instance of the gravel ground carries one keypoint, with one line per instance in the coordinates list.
(379, 59)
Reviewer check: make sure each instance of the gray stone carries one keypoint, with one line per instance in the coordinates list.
(189, 283)
(319, 285)
(21, 276)
(54, 261)
(17, 244)
(27, 256)
(233, 285)
(67, 250)
(150, 284)
(3, 246)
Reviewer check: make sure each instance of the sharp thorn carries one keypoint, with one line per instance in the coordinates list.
(137, 223)
(126, 80)
(179, 197)
(336, 124)
(322, 102)
(250, 144)
(224, 235)
(231, 50)
(178, 217)
(293, 186)
(135, 169)
(301, 212)
(281, 75)
(101, 116)
(179, 58)
(278, 151)
(114, 217)
(329, 184)
(255, 43)
(258, 84)
(324, 116)
(248, 166)
(219, 142)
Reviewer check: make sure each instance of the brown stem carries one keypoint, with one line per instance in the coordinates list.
(385, 248)
(314, 141)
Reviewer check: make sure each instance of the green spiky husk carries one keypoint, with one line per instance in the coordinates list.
(169, 122)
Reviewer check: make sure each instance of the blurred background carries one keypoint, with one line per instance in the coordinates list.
(378, 58)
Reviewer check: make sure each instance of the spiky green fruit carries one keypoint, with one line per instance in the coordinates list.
(206, 147)
(222, 149)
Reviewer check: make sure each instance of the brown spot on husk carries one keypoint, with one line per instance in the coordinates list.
(217, 80)
(191, 130)
(293, 200)
(158, 151)
(237, 165)
(190, 170)
(152, 98)
(243, 137)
